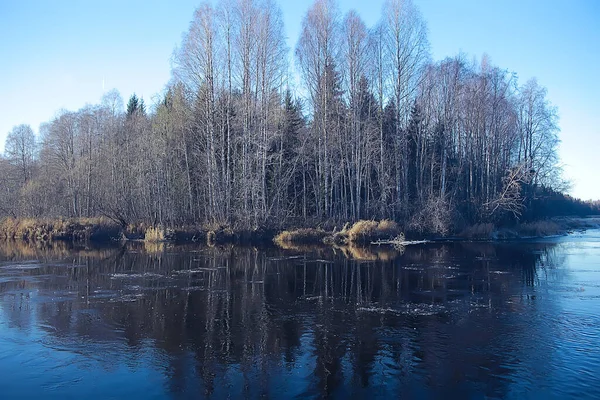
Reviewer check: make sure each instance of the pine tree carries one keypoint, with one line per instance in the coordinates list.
(133, 105)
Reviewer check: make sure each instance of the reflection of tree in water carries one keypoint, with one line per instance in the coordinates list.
(326, 321)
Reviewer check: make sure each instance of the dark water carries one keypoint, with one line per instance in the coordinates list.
(455, 320)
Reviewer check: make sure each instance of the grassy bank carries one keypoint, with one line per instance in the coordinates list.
(535, 229)
(82, 229)
(106, 230)
(361, 232)
(365, 232)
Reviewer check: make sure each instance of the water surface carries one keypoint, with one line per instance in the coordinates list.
(445, 320)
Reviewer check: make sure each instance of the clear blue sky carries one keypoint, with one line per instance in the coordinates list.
(56, 54)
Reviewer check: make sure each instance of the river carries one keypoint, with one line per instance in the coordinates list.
(463, 320)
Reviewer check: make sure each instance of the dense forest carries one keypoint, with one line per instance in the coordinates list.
(361, 124)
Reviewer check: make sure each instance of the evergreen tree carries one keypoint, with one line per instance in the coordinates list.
(133, 105)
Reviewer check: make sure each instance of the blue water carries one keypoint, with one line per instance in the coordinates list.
(448, 320)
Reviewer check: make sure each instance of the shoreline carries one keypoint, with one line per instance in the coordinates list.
(365, 233)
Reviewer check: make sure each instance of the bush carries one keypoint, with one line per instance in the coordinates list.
(435, 217)
(367, 231)
(155, 234)
(59, 229)
(301, 236)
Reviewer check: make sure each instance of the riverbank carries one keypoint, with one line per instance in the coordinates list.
(105, 230)
(388, 232)
(364, 232)
(80, 229)
(557, 226)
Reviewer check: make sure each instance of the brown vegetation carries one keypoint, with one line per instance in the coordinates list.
(301, 236)
(59, 229)
(155, 234)
(362, 232)
(103, 229)
(371, 231)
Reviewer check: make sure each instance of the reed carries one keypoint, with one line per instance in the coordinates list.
(155, 234)
(301, 236)
(367, 231)
(59, 229)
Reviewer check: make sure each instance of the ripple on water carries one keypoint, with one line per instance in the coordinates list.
(338, 332)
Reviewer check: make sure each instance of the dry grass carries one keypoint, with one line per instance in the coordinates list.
(301, 236)
(155, 234)
(362, 232)
(59, 229)
(367, 231)
(21, 229)
(211, 238)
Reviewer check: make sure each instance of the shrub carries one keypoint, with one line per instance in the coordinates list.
(154, 234)
(301, 236)
(59, 229)
(435, 217)
(366, 231)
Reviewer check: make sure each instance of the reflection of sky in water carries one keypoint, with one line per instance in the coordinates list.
(462, 320)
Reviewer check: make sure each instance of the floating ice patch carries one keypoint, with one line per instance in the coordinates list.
(312, 298)
(127, 298)
(409, 309)
(284, 258)
(486, 258)
(446, 267)
(22, 267)
(411, 268)
(189, 271)
(193, 288)
(136, 276)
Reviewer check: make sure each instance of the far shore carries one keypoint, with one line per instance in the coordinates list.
(363, 233)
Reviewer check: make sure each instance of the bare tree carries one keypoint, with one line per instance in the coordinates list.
(20, 150)
(382, 132)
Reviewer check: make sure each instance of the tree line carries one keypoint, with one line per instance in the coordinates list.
(374, 129)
